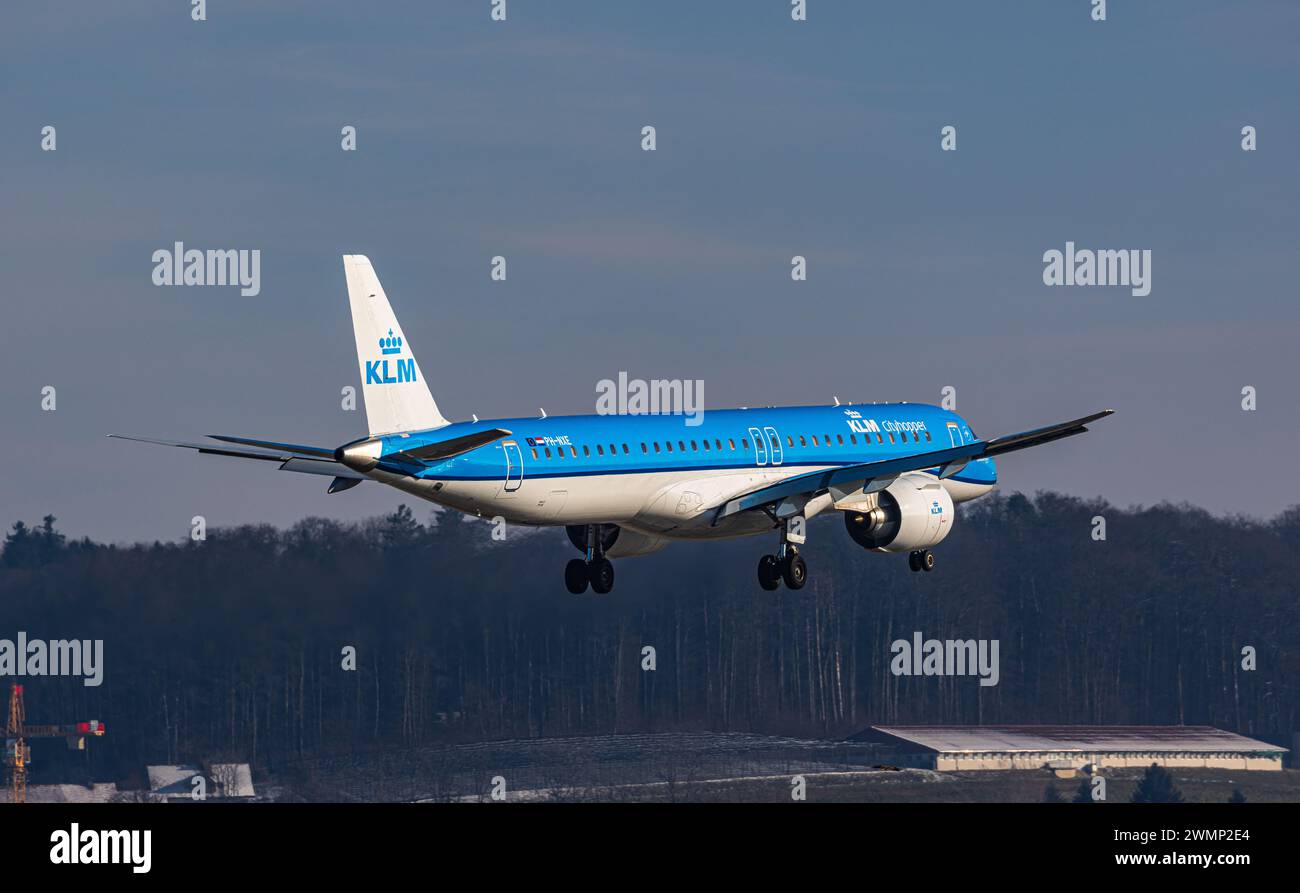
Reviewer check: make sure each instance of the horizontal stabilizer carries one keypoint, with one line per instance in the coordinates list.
(269, 455)
(273, 445)
(320, 466)
(289, 459)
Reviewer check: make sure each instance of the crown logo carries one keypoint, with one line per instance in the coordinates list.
(390, 344)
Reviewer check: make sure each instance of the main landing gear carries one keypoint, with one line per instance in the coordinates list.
(787, 564)
(921, 560)
(773, 569)
(599, 574)
(595, 570)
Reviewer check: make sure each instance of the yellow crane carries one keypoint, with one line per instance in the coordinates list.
(17, 731)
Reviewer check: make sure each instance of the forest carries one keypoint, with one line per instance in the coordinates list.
(237, 646)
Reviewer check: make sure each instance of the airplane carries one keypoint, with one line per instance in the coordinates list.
(626, 485)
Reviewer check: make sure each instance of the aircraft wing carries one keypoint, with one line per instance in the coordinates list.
(303, 459)
(949, 461)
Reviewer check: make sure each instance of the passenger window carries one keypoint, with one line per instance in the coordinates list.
(718, 444)
(573, 451)
(681, 445)
(853, 439)
(839, 438)
(744, 443)
(695, 447)
(656, 446)
(669, 444)
(927, 437)
(803, 441)
(600, 450)
(706, 445)
(828, 440)
(585, 452)
(548, 452)
(534, 452)
(789, 441)
(879, 439)
(643, 448)
(891, 436)
(731, 443)
(625, 449)
(815, 440)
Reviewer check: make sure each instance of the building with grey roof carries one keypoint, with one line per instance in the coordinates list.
(964, 748)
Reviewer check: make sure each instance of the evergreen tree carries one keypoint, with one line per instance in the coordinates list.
(1051, 794)
(18, 546)
(28, 547)
(51, 540)
(1156, 786)
(400, 529)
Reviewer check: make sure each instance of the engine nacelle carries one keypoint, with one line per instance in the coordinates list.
(914, 512)
(617, 541)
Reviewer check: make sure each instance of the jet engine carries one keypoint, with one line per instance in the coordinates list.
(914, 512)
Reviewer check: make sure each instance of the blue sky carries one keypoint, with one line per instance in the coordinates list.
(522, 139)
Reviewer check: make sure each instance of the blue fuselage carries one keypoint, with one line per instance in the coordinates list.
(793, 439)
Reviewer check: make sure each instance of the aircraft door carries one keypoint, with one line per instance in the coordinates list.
(514, 468)
(774, 439)
(760, 449)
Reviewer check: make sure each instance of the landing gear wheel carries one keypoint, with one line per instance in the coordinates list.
(914, 561)
(794, 571)
(769, 572)
(601, 572)
(575, 576)
(926, 560)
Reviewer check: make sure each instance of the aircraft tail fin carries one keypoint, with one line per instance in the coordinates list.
(397, 397)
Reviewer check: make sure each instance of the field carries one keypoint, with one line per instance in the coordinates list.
(708, 767)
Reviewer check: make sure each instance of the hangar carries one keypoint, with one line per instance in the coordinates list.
(965, 748)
